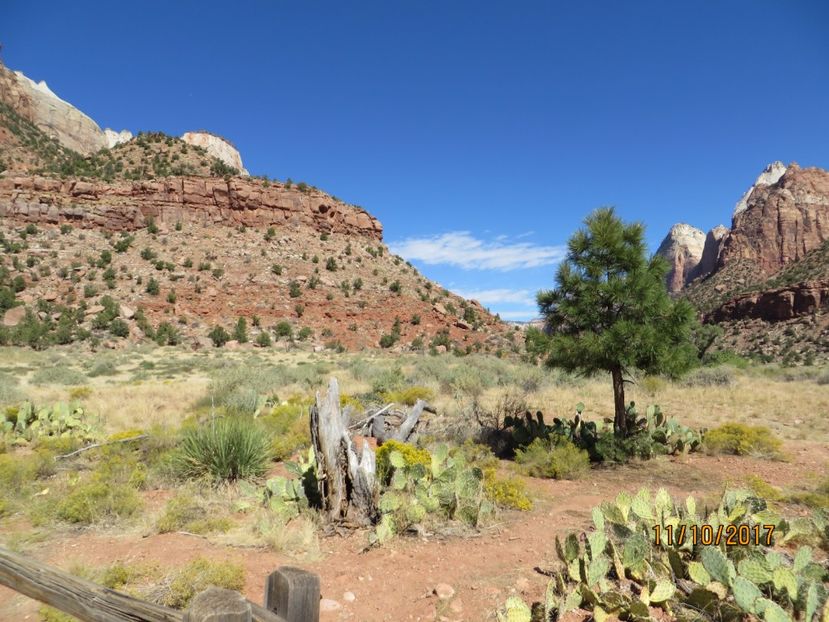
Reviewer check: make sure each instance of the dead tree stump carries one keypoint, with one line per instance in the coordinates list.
(347, 483)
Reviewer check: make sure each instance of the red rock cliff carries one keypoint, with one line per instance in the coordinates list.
(782, 222)
(209, 201)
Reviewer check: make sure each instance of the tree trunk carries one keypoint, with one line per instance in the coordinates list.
(347, 483)
(620, 420)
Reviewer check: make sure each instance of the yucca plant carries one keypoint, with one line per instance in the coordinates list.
(225, 449)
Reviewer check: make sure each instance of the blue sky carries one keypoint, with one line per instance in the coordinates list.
(479, 133)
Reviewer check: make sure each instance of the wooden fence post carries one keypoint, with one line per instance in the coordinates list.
(293, 594)
(218, 605)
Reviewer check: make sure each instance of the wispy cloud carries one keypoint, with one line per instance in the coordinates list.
(462, 249)
(502, 296)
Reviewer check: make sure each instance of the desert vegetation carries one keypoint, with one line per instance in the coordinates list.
(202, 462)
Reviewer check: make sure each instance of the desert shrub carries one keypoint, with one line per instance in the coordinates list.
(560, 461)
(284, 329)
(219, 336)
(263, 339)
(409, 395)
(743, 440)
(197, 576)
(18, 471)
(97, 500)
(720, 376)
(58, 374)
(410, 454)
(653, 384)
(297, 537)
(388, 380)
(240, 331)
(225, 449)
(103, 368)
(185, 513)
(288, 428)
(506, 492)
(9, 393)
(816, 497)
(80, 393)
(610, 448)
(243, 389)
(108, 493)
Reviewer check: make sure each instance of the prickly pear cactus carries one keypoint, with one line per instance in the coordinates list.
(515, 610)
(622, 569)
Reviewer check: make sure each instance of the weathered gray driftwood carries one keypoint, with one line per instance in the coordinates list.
(291, 595)
(405, 432)
(347, 483)
(294, 594)
(219, 605)
(77, 597)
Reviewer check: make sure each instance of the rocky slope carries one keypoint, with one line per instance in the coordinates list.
(155, 238)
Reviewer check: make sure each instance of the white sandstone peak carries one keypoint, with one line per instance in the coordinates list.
(116, 138)
(770, 175)
(216, 146)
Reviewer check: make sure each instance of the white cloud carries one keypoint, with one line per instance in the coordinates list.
(462, 249)
(524, 297)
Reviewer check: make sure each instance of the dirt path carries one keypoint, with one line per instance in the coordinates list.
(397, 582)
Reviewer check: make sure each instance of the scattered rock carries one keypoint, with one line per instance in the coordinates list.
(327, 605)
(14, 316)
(94, 310)
(349, 597)
(126, 312)
(444, 591)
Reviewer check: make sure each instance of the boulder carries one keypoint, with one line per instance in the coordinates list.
(13, 316)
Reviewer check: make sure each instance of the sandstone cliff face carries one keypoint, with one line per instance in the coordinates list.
(774, 305)
(114, 138)
(682, 248)
(57, 118)
(769, 176)
(782, 222)
(710, 252)
(216, 146)
(207, 201)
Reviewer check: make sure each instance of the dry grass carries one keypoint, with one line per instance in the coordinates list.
(173, 381)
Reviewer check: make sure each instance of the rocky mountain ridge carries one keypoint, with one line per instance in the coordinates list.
(769, 272)
(58, 119)
(156, 238)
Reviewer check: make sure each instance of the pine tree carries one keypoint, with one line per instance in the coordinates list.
(611, 311)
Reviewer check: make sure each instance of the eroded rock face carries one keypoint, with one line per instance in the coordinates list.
(682, 248)
(58, 119)
(769, 176)
(216, 146)
(127, 206)
(116, 138)
(774, 305)
(782, 222)
(710, 252)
